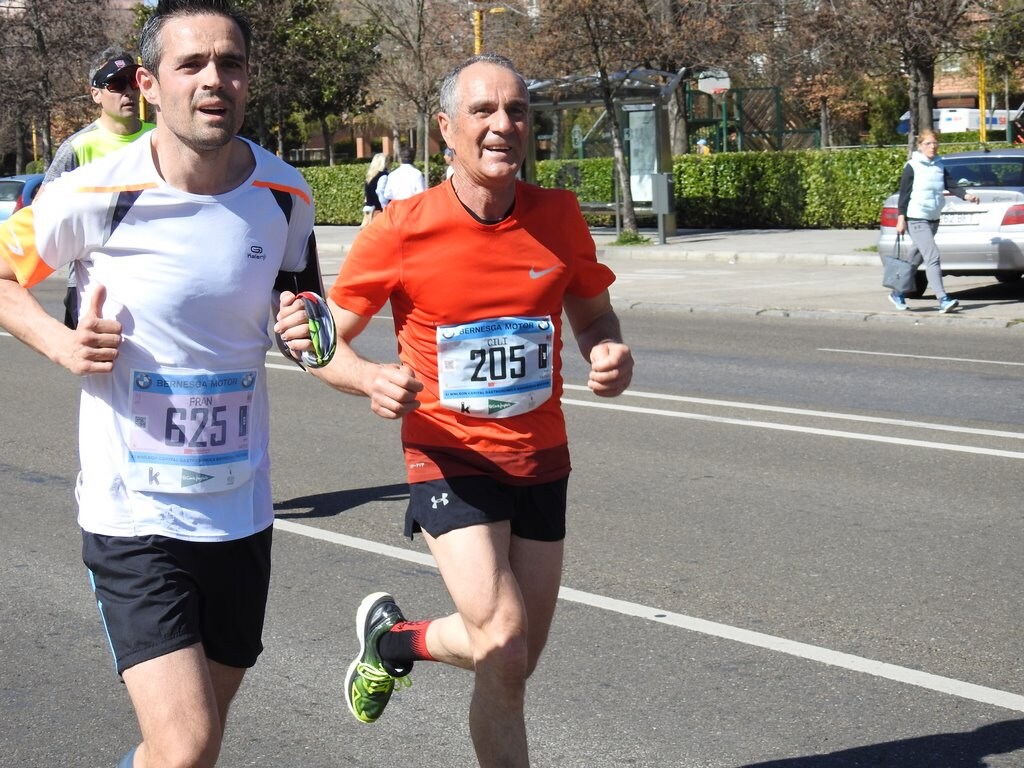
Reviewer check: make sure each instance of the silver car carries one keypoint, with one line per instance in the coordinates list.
(982, 239)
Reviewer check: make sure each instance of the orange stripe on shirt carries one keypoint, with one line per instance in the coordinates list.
(18, 248)
(124, 188)
(283, 188)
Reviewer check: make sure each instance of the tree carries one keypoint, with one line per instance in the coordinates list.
(420, 40)
(306, 61)
(45, 50)
(922, 31)
(339, 58)
(607, 39)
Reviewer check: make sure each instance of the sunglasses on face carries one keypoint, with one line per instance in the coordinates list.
(120, 84)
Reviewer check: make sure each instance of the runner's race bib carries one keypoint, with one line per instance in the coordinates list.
(189, 431)
(495, 368)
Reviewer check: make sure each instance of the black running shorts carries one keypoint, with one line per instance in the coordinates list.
(536, 512)
(157, 595)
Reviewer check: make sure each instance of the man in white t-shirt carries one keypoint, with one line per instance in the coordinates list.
(405, 181)
(181, 241)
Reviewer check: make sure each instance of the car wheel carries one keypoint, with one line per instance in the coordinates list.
(920, 285)
(1009, 277)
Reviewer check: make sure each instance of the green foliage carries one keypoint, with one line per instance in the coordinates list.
(968, 140)
(811, 189)
(337, 192)
(590, 179)
(799, 190)
(628, 237)
(35, 166)
(887, 101)
(338, 189)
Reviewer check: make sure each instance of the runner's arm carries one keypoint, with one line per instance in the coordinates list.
(392, 388)
(91, 348)
(599, 337)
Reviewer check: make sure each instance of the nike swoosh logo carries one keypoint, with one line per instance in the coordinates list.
(534, 274)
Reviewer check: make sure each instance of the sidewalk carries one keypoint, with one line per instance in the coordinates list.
(815, 274)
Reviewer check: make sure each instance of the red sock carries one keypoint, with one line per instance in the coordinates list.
(405, 643)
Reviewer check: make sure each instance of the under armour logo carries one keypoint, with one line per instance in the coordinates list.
(443, 501)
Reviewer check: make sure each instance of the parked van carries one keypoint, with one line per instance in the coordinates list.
(964, 119)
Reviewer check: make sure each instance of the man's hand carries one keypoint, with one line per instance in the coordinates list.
(93, 345)
(392, 390)
(611, 368)
(292, 325)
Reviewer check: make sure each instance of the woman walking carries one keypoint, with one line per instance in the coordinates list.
(375, 174)
(923, 188)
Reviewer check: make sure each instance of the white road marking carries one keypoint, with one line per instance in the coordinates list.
(610, 406)
(905, 675)
(779, 427)
(817, 414)
(805, 430)
(920, 357)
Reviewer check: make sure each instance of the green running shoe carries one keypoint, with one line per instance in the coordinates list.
(368, 685)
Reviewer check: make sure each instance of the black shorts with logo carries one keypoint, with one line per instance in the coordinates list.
(536, 512)
(157, 595)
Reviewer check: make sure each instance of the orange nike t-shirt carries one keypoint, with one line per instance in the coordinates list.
(439, 266)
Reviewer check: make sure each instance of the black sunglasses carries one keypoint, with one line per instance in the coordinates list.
(120, 84)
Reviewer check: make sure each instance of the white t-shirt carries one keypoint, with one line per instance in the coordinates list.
(405, 181)
(174, 441)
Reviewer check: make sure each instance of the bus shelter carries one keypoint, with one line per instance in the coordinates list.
(641, 98)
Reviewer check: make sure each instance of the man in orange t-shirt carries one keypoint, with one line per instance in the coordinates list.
(478, 271)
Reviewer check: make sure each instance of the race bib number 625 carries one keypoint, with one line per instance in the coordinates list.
(189, 431)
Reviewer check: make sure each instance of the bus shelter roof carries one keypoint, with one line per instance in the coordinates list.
(635, 85)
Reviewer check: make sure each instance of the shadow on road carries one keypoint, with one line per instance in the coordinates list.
(944, 750)
(334, 503)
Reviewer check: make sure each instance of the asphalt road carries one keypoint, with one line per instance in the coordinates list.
(794, 544)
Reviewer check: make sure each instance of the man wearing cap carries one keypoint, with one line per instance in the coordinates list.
(112, 85)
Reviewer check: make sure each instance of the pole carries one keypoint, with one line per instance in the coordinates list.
(1006, 107)
(983, 122)
(478, 32)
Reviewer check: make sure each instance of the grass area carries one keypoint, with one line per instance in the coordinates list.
(628, 237)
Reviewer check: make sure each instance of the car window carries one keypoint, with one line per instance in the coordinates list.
(9, 191)
(987, 172)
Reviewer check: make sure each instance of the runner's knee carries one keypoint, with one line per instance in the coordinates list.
(504, 656)
(184, 750)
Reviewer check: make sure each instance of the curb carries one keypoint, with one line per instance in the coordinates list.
(959, 320)
(665, 253)
(668, 253)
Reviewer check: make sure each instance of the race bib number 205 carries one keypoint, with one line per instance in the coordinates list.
(189, 431)
(495, 368)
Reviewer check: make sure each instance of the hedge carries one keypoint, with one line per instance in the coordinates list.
(840, 189)
(338, 189)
